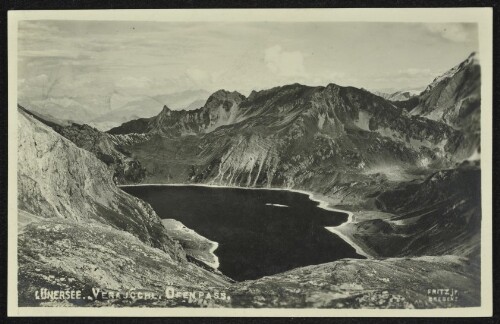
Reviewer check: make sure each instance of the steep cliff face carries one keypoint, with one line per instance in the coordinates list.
(105, 147)
(56, 179)
(125, 168)
(77, 230)
(454, 96)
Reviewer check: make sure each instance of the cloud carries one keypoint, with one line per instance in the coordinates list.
(131, 82)
(198, 76)
(415, 72)
(458, 33)
(39, 80)
(404, 79)
(53, 53)
(284, 63)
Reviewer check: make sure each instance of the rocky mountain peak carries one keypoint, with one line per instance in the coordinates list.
(472, 59)
(224, 99)
(454, 98)
(333, 86)
(165, 110)
(226, 95)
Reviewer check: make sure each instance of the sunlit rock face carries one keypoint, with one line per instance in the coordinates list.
(56, 179)
(107, 148)
(454, 95)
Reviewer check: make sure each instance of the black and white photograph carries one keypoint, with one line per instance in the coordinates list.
(212, 162)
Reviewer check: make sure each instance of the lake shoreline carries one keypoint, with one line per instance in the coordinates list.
(342, 231)
(178, 231)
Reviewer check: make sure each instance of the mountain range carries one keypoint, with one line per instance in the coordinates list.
(295, 135)
(409, 170)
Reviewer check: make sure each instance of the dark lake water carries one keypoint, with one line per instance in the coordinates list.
(255, 239)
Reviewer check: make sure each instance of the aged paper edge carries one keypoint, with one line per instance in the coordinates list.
(481, 16)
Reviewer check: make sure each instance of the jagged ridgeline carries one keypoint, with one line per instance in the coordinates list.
(295, 135)
(310, 137)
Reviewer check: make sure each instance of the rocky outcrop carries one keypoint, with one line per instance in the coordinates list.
(196, 246)
(125, 168)
(59, 254)
(107, 148)
(56, 179)
(389, 283)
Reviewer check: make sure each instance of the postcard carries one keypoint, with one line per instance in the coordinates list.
(290, 162)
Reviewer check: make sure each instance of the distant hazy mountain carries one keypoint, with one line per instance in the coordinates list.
(68, 109)
(398, 95)
(46, 119)
(105, 112)
(195, 104)
(143, 107)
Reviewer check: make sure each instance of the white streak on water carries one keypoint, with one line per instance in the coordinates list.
(276, 205)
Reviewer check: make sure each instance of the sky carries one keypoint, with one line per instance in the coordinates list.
(65, 60)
